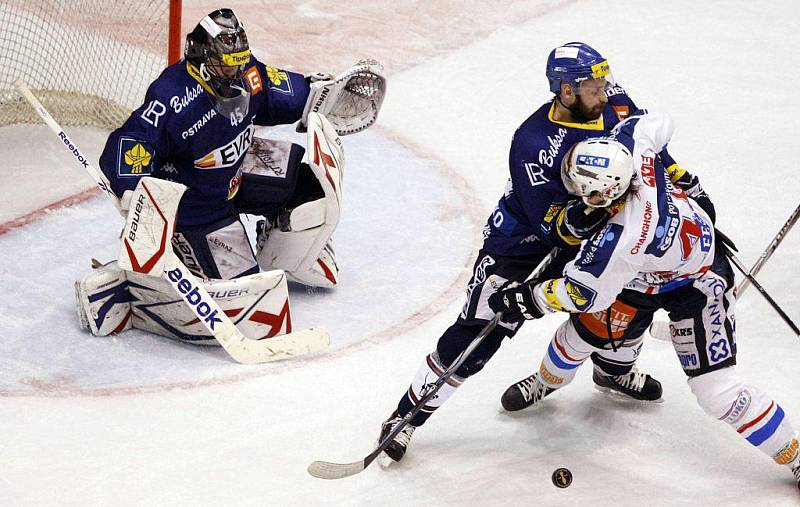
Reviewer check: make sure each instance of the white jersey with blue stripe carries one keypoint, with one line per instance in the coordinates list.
(658, 239)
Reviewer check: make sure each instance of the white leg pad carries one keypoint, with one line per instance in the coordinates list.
(103, 301)
(111, 300)
(304, 248)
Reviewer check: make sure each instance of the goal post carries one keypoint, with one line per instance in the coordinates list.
(89, 61)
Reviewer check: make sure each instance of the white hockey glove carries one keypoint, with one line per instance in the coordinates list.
(351, 100)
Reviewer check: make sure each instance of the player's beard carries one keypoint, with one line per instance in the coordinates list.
(583, 114)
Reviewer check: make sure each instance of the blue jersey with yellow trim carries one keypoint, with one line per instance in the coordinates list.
(522, 222)
(178, 135)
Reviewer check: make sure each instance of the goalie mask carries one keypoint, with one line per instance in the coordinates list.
(219, 51)
(600, 170)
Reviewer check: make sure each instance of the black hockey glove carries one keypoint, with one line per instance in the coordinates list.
(581, 220)
(724, 243)
(516, 302)
(691, 185)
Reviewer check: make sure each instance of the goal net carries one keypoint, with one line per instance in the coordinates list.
(88, 61)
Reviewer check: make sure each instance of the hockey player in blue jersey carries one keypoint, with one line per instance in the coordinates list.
(534, 215)
(196, 126)
(659, 251)
(197, 130)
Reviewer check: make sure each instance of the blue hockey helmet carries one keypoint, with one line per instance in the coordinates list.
(573, 63)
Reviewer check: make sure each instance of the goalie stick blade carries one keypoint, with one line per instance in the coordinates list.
(659, 330)
(285, 346)
(329, 471)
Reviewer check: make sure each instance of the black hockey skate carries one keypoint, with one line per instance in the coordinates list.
(397, 447)
(528, 391)
(796, 472)
(636, 385)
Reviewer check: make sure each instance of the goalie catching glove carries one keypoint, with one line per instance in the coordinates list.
(350, 101)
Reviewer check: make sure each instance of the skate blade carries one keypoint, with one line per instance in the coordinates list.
(624, 397)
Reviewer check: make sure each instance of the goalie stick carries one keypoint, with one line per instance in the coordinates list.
(238, 346)
(659, 329)
(327, 470)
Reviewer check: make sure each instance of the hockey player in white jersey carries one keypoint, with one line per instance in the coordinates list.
(658, 251)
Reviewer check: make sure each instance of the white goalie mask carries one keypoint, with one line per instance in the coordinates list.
(599, 170)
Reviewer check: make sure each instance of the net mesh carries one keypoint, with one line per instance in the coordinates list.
(88, 61)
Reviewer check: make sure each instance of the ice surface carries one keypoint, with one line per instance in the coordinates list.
(216, 433)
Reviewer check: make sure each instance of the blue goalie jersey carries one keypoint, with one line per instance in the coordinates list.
(178, 135)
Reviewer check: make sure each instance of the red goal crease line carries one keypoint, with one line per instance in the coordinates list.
(34, 215)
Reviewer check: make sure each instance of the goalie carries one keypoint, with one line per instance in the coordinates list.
(197, 128)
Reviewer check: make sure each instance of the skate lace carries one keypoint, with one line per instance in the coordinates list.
(633, 380)
(796, 471)
(531, 388)
(404, 437)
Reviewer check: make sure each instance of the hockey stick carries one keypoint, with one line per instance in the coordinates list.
(736, 262)
(327, 470)
(238, 346)
(787, 226)
(660, 329)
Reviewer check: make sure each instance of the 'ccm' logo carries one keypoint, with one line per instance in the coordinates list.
(193, 297)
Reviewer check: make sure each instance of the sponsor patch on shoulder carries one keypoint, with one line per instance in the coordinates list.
(622, 112)
(134, 158)
(253, 78)
(279, 81)
(596, 253)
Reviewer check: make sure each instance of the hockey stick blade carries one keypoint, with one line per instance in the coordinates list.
(330, 471)
(659, 329)
(294, 344)
(327, 470)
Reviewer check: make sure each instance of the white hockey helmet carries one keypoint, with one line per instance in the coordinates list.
(600, 170)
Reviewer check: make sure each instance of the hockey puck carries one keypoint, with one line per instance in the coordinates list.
(562, 478)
